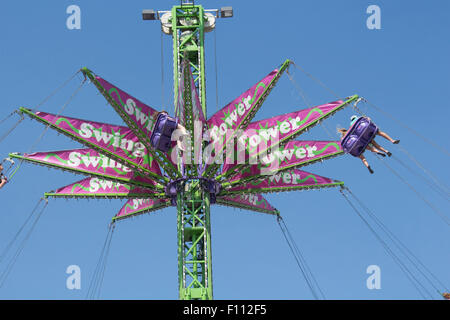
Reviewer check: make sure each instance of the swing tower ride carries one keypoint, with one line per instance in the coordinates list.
(124, 162)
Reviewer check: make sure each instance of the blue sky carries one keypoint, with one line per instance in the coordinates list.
(402, 68)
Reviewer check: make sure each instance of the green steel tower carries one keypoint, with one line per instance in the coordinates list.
(187, 24)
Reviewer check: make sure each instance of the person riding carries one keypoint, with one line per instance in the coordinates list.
(343, 132)
(182, 130)
(4, 180)
(373, 146)
(380, 133)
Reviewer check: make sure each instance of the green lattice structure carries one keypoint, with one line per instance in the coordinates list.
(193, 206)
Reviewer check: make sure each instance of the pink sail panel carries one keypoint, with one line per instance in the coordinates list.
(114, 140)
(293, 179)
(245, 172)
(136, 111)
(88, 161)
(226, 121)
(260, 135)
(179, 106)
(254, 202)
(97, 187)
(199, 120)
(196, 104)
(135, 207)
(292, 154)
(194, 121)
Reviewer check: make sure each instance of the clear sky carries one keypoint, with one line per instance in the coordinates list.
(403, 68)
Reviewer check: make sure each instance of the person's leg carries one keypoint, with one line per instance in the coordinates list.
(372, 148)
(377, 146)
(364, 160)
(387, 137)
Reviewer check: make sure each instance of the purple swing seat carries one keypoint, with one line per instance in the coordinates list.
(359, 136)
(210, 186)
(161, 136)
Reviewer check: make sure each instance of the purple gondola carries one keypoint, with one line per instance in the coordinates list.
(161, 136)
(359, 136)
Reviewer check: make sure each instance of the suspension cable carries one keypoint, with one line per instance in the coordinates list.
(428, 203)
(432, 185)
(301, 262)
(299, 89)
(316, 80)
(418, 164)
(427, 172)
(59, 113)
(10, 244)
(401, 246)
(8, 116)
(440, 148)
(48, 125)
(13, 260)
(11, 163)
(12, 171)
(97, 278)
(435, 145)
(93, 284)
(307, 102)
(162, 72)
(414, 281)
(12, 128)
(55, 91)
(34, 110)
(102, 274)
(304, 260)
(41, 103)
(216, 70)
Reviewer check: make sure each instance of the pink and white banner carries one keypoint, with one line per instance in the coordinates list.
(288, 180)
(199, 118)
(179, 106)
(196, 104)
(135, 111)
(254, 202)
(292, 154)
(224, 123)
(112, 139)
(97, 187)
(261, 135)
(89, 161)
(134, 207)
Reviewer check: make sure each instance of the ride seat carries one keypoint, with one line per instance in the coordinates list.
(161, 136)
(359, 136)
